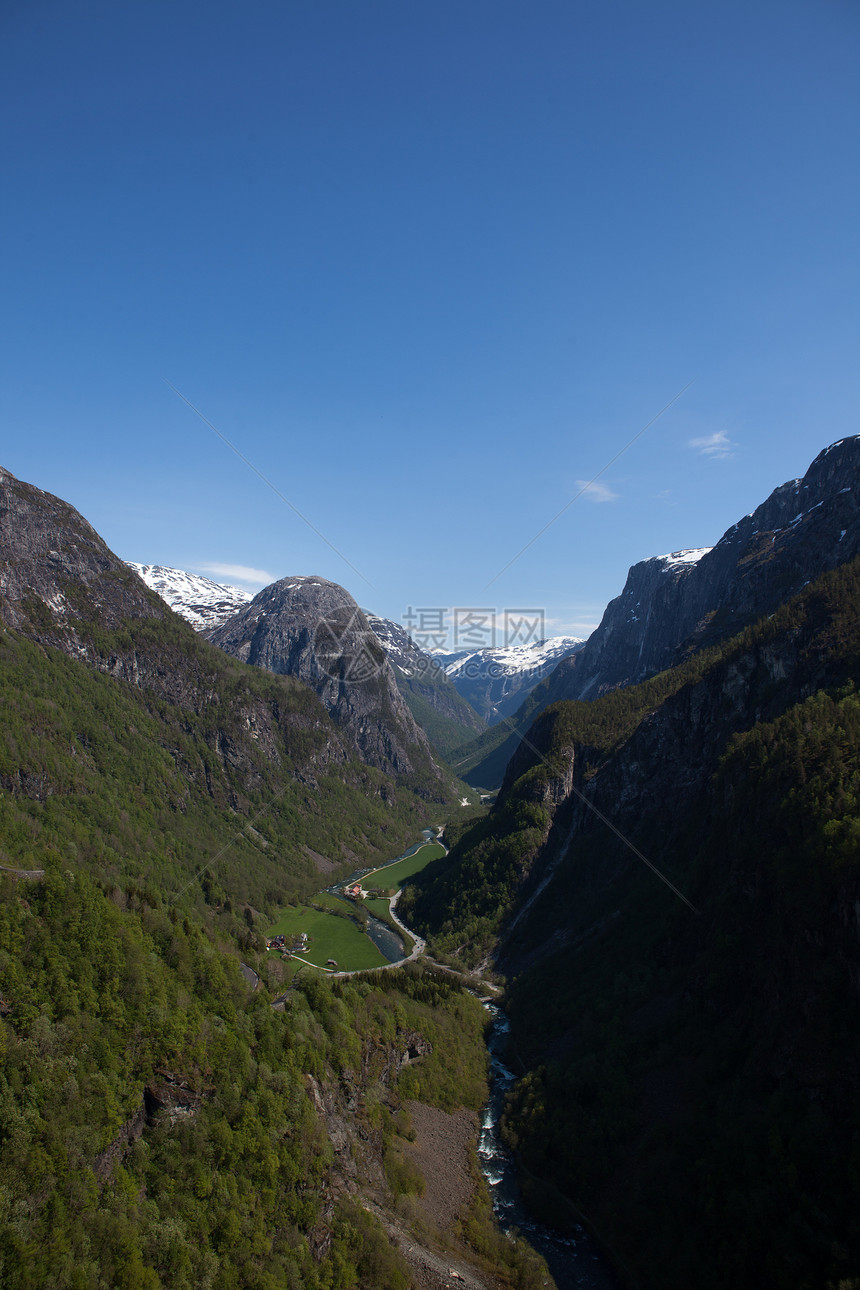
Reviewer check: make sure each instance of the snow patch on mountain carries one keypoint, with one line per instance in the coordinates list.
(200, 601)
(400, 647)
(510, 660)
(676, 558)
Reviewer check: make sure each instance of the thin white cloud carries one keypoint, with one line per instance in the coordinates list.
(581, 626)
(597, 492)
(240, 572)
(713, 445)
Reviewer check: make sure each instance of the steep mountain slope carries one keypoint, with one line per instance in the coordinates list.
(691, 1050)
(448, 719)
(312, 629)
(724, 1041)
(497, 681)
(200, 601)
(97, 669)
(673, 605)
(162, 1123)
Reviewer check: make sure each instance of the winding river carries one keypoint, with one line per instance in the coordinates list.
(386, 941)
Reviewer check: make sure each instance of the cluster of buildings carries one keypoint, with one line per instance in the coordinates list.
(292, 945)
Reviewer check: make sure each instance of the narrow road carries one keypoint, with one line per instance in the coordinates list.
(418, 949)
(472, 980)
(419, 946)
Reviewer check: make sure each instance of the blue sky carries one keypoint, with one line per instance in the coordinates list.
(429, 267)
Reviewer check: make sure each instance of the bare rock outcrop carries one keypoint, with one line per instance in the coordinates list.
(312, 629)
(675, 604)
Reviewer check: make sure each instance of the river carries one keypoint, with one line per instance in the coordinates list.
(386, 941)
(574, 1261)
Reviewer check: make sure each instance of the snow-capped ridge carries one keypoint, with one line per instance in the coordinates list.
(677, 558)
(509, 660)
(200, 601)
(398, 644)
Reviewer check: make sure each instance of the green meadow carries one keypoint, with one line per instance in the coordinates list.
(394, 875)
(330, 936)
(379, 908)
(335, 935)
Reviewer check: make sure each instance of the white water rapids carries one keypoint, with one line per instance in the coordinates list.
(574, 1261)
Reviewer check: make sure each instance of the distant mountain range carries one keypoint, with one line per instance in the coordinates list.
(452, 696)
(496, 681)
(448, 720)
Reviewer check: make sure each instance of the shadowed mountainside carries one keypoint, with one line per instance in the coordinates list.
(689, 1055)
(672, 606)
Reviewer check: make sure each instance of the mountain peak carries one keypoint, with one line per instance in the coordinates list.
(672, 604)
(52, 555)
(310, 628)
(676, 559)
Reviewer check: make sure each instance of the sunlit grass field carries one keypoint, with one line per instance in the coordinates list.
(338, 938)
(394, 875)
(329, 937)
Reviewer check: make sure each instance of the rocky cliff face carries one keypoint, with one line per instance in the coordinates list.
(673, 605)
(451, 719)
(659, 774)
(56, 572)
(312, 629)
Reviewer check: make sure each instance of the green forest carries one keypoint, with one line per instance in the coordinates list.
(161, 1122)
(108, 1000)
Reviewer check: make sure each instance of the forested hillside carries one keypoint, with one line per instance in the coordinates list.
(163, 1125)
(176, 1108)
(689, 1055)
(223, 802)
